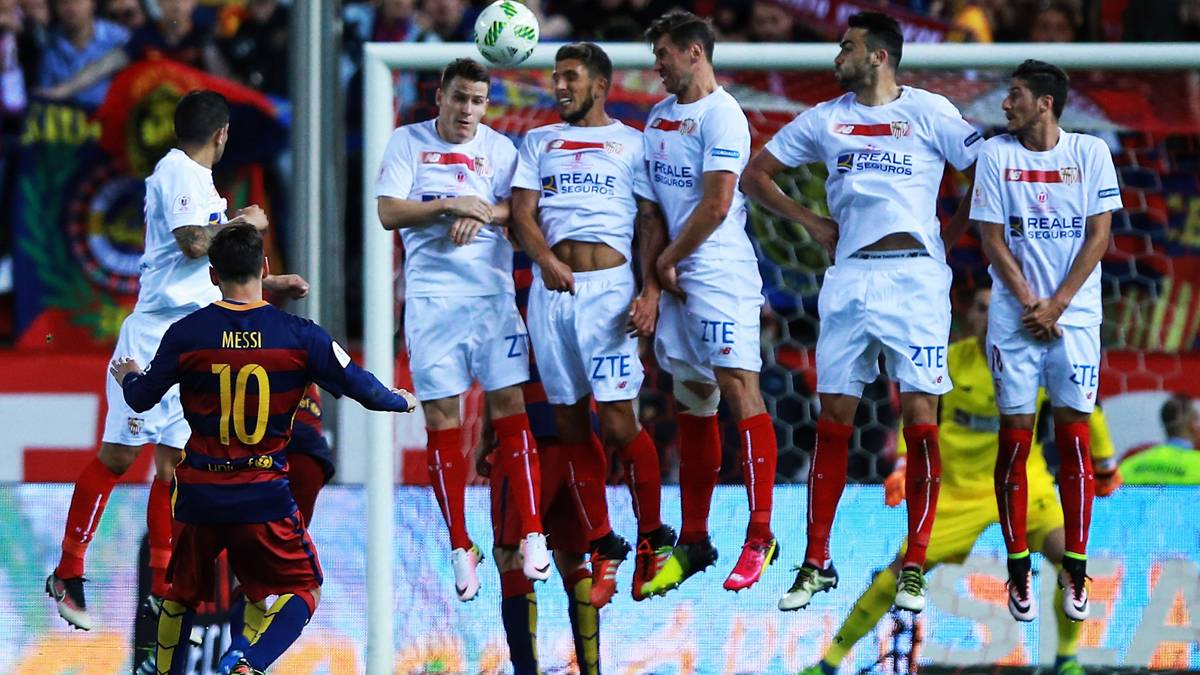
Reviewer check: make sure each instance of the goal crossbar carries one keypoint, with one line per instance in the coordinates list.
(378, 289)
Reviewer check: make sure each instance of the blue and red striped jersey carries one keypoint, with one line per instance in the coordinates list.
(243, 370)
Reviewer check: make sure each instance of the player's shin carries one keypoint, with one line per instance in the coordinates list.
(174, 628)
(642, 471)
(866, 613)
(1067, 629)
(923, 479)
(760, 455)
(587, 467)
(448, 476)
(826, 480)
(585, 621)
(518, 612)
(1076, 484)
(1012, 489)
(699, 466)
(159, 523)
(519, 456)
(281, 626)
(92, 488)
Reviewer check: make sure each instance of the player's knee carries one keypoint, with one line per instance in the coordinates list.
(1016, 422)
(506, 402)
(696, 398)
(741, 390)
(567, 563)
(441, 413)
(918, 408)
(618, 422)
(118, 458)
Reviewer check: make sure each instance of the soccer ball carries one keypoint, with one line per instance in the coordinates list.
(506, 32)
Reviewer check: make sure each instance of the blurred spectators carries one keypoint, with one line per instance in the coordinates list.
(452, 20)
(181, 34)
(1175, 462)
(1162, 21)
(772, 22)
(78, 39)
(1053, 22)
(554, 26)
(128, 13)
(613, 20)
(257, 51)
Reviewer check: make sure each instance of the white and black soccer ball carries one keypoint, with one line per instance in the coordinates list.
(506, 32)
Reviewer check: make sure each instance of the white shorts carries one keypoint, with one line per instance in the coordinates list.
(581, 341)
(453, 341)
(140, 335)
(717, 326)
(895, 306)
(1069, 367)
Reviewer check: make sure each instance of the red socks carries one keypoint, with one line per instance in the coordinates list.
(922, 482)
(1012, 487)
(306, 478)
(448, 476)
(92, 488)
(1076, 483)
(587, 466)
(699, 465)
(642, 472)
(826, 479)
(519, 456)
(759, 457)
(158, 523)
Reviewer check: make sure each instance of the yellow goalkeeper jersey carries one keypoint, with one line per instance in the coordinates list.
(970, 423)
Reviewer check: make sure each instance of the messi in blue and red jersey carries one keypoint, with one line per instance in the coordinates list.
(243, 367)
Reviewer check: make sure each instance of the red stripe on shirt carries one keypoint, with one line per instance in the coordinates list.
(431, 157)
(564, 144)
(849, 129)
(1033, 176)
(665, 125)
(271, 360)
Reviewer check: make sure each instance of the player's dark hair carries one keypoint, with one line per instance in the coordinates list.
(1175, 411)
(590, 55)
(685, 29)
(236, 253)
(199, 115)
(469, 70)
(883, 32)
(1045, 79)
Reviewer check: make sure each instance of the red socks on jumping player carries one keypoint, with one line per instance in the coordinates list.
(826, 480)
(642, 471)
(760, 455)
(92, 488)
(159, 523)
(1076, 483)
(518, 455)
(699, 466)
(922, 483)
(587, 467)
(1012, 487)
(448, 476)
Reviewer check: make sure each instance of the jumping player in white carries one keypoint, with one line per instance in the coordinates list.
(183, 211)
(1043, 201)
(578, 189)
(885, 147)
(445, 185)
(697, 143)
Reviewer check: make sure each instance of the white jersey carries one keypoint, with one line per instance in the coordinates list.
(179, 193)
(419, 165)
(685, 140)
(885, 163)
(588, 178)
(1044, 200)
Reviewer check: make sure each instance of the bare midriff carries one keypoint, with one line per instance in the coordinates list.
(587, 256)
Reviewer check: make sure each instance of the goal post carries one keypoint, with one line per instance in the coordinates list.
(377, 255)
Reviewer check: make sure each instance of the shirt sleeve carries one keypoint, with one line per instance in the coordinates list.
(506, 167)
(332, 369)
(395, 177)
(527, 175)
(954, 137)
(726, 137)
(641, 172)
(184, 203)
(1104, 193)
(796, 143)
(987, 203)
(144, 390)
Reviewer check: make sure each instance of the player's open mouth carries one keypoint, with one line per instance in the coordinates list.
(564, 102)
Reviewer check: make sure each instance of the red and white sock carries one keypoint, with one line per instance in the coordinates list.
(159, 524)
(642, 471)
(699, 466)
(922, 484)
(448, 476)
(518, 453)
(826, 480)
(587, 467)
(1012, 488)
(760, 455)
(1076, 483)
(92, 488)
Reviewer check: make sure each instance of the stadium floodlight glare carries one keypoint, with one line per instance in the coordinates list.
(378, 270)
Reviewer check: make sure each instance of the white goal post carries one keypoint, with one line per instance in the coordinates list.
(379, 329)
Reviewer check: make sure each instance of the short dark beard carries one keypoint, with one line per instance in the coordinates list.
(584, 109)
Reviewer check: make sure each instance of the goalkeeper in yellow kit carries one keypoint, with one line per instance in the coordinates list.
(967, 507)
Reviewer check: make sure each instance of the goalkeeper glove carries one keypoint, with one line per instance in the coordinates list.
(893, 485)
(1108, 478)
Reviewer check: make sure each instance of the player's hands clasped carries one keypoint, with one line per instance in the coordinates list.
(643, 313)
(893, 485)
(463, 231)
(668, 277)
(557, 275)
(468, 207)
(120, 367)
(251, 215)
(408, 397)
(1041, 318)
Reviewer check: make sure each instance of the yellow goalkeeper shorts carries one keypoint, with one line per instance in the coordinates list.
(959, 522)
